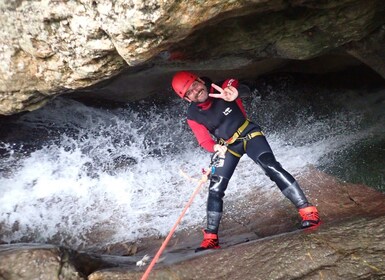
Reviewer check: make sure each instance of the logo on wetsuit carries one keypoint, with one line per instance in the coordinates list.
(227, 111)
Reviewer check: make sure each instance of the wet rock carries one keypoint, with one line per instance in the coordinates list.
(40, 261)
(36, 262)
(50, 48)
(348, 250)
(335, 200)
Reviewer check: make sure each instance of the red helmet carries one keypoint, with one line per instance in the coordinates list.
(182, 81)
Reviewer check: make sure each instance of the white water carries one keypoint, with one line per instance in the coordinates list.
(99, 176)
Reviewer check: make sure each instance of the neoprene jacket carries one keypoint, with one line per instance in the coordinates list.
(215, 117)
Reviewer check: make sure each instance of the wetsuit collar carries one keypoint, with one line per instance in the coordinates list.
(206, 104)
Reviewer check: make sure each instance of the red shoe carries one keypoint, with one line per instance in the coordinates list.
(210, 241)
(310, 216)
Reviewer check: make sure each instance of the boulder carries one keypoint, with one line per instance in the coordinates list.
(36, 261)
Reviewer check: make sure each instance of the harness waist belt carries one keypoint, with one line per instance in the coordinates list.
(239, 131)
(236, 137)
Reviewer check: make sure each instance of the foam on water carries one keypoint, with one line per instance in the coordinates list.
(98, 176)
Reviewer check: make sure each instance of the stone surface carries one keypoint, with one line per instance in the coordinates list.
(351, 250)
(55, 47)
(38, 261)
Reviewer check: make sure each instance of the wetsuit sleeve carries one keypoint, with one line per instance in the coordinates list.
(243, 90)
(230, 82)
(202, 135)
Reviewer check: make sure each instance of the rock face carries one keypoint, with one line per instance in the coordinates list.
(54, 47)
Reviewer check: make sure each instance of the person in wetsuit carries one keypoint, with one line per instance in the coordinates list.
(218, 111)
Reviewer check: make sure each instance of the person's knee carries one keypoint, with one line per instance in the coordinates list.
(218, 186)
(269, 164)
(274, 170)
(217, 189)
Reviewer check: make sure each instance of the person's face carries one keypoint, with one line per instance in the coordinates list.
(197, 92)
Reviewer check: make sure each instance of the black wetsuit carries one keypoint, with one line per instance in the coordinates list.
(222, 119)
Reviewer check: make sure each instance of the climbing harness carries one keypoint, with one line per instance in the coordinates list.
(236, 137)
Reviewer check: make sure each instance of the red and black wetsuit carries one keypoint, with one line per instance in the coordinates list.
(221, 119)
(216, 117)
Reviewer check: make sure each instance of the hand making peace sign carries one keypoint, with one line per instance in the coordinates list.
(229, 94)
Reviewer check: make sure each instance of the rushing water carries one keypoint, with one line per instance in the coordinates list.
(85, 176)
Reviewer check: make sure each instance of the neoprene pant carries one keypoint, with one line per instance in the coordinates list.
(260, 152)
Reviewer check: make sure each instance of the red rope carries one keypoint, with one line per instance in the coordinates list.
(165, 242)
